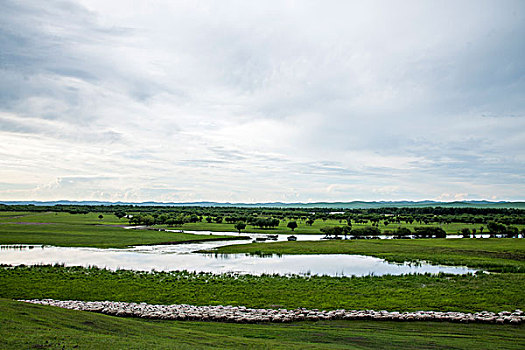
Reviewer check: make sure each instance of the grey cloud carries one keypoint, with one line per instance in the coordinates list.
(44, 44)
(205, 163)
(57, 130)
(227, 154)
(71, 180)
(328, 168)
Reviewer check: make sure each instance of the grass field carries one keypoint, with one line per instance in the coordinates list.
(468, 293)
(27, 326)
(86, 230)
(31, 326)
(61, 218)
(491, 254)
(92, 218)
(79, 235)
(110, 219)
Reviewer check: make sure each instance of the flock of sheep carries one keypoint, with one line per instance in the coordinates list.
(242, 314)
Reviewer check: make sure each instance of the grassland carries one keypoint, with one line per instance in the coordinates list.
(84, 230)
(64, 218)
(61, 218)
(491, 254)
(466, 293)
(27, 326)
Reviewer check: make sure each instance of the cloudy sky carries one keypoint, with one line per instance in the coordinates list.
(258, 101)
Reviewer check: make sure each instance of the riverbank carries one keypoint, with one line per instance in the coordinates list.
(492, 254)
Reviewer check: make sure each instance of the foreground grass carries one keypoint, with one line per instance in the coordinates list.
(79, 235)
(494, 254)
(467, 293)
(34, 326)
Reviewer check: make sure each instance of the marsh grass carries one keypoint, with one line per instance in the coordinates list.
(494, 292)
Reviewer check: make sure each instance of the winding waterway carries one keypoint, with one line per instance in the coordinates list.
(185, 257)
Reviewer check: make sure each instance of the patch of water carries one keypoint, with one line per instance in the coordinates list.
(183, 257)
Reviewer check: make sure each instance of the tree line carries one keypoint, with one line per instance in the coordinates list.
(374, 216)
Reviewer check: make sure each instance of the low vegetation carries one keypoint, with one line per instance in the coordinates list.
(467, 293)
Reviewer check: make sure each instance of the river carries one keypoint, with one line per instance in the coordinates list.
(185, 257)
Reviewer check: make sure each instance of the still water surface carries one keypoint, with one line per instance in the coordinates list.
(184, 257)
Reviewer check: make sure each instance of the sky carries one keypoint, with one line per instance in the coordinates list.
(262, 101)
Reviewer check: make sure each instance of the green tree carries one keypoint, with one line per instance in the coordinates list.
(496, 228)
(148, 220)
(333, 230)
(240, 226)
(120, 214)
(292, 225)
(512, 232)
(403, 232)
(101, 216)
(429, 232)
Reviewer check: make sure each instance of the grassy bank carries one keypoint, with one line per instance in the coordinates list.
(33, 326)
(494, 254)
(466, 293)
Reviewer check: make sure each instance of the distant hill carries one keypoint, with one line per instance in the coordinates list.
(335, 205)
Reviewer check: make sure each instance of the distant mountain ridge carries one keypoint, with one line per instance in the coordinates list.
(335, 205)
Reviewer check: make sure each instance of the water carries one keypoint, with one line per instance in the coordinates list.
(253, 236)
(183, 257)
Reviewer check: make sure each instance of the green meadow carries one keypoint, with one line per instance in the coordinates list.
(85, 230)
(61, 218)
(27, 326)
(466, 293)
(92, 219)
